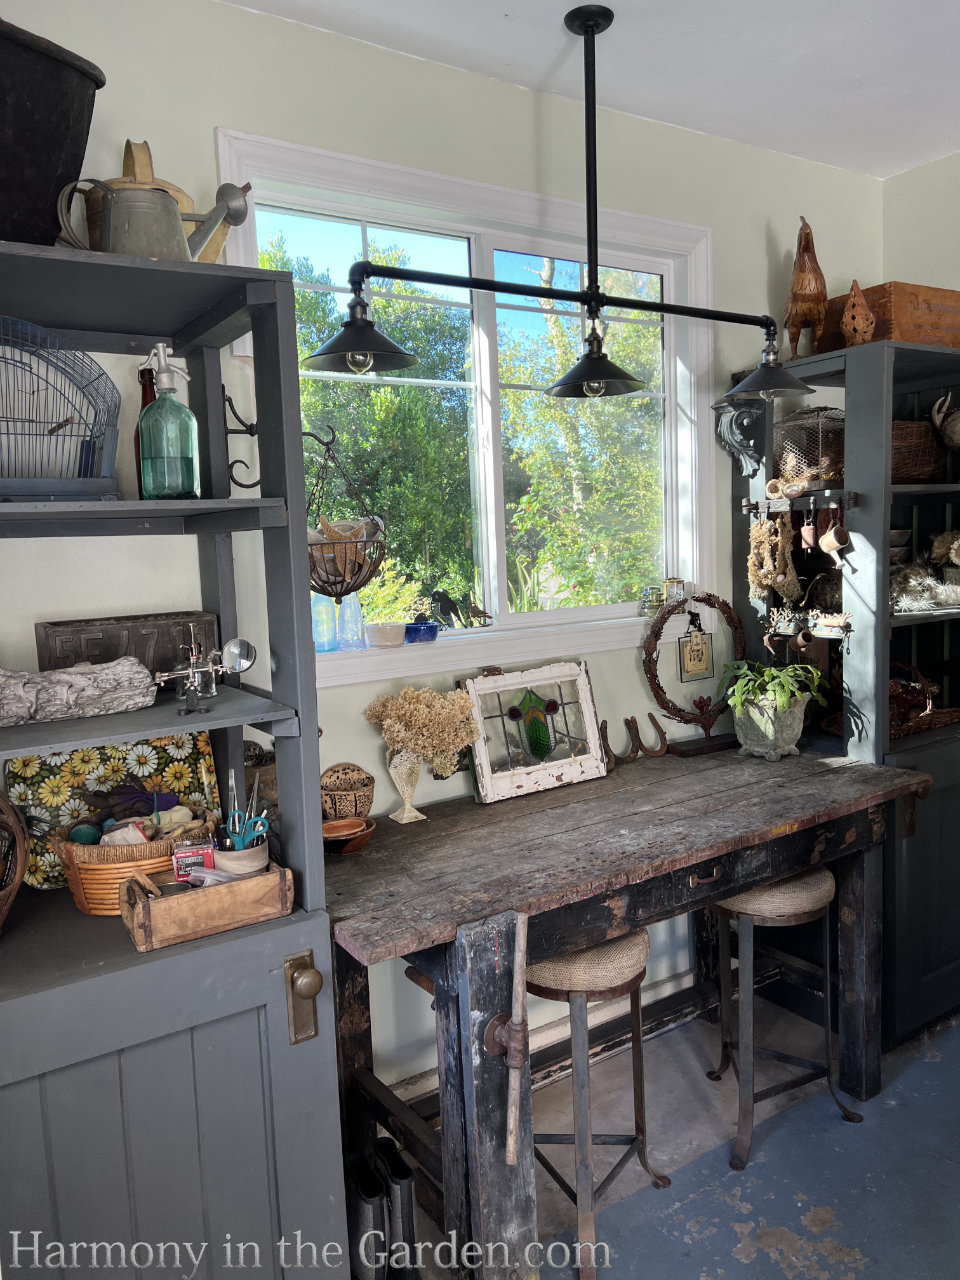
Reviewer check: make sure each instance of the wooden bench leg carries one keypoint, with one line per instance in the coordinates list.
(354, 1046)
(860, 922)
(503, 1207)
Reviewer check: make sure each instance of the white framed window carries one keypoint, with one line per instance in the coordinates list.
(644, 464)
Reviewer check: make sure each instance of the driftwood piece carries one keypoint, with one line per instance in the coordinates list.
(636, 744)
(86, 689)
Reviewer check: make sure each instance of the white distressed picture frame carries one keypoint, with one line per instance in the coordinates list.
(505, 784)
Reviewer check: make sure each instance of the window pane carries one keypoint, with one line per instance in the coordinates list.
(529, 269)
(638, 348)
(619, 283)
(317, 250)
(583, 497)
(536, 350)
(440, 337)
(408, 451)
(420, 251)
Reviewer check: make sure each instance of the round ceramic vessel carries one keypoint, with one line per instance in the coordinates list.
(381, 635)
(421, 632)
(764, 731)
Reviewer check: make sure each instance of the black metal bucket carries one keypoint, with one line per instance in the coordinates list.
(46, 103)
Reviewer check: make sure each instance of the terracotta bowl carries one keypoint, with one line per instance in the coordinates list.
(342, 828)
(343, 846)
(900, 537)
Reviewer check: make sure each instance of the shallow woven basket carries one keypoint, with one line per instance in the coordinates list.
(931, 717)
(95, 872)
(919, 456)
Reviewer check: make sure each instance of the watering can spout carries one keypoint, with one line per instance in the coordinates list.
(231, 207)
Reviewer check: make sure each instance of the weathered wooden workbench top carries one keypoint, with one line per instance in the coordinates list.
(414, 885)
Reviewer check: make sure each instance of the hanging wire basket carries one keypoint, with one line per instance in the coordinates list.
(58, 416)
(351, 551)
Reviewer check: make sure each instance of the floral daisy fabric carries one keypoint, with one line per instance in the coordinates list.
(47, 789)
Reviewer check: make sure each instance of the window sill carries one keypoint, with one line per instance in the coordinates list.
(477, 647)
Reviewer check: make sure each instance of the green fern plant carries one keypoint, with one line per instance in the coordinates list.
(745, 682)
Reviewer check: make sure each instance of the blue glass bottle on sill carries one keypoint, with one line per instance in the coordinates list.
(350, 625)
(324, 614)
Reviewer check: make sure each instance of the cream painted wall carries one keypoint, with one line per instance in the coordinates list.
(920, 244)
(176, 72)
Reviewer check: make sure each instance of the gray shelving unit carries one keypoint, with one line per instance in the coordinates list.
(98, 1043)
(883, 382)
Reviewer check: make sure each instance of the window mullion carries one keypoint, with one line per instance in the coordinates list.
(490, 439)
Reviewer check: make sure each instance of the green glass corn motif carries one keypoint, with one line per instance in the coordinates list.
(532, 712)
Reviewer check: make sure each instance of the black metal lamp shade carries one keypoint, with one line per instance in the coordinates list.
(768, 381)
(359, 347)
(595, 375)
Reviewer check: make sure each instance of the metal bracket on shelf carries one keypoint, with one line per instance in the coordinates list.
(245, 429)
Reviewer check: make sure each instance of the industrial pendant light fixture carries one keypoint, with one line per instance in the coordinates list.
(359, 347)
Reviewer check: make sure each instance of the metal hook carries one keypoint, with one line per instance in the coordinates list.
(246, 429)
(241, 484)
(327, 444)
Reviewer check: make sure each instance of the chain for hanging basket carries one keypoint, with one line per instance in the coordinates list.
(350, 552)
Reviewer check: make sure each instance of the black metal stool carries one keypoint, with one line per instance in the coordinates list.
(798, 900)
(600, 973)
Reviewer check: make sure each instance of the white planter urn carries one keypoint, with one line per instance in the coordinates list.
(764, 731)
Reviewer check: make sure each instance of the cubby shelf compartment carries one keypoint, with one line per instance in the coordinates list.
(230, 708)
(94, 519)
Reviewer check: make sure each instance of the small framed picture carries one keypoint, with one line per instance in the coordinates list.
(696, 656)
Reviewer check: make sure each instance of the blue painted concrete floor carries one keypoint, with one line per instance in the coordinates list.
(820, 1199)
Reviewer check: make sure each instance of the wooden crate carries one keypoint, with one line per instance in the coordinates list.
(157, 913)
(904, 313)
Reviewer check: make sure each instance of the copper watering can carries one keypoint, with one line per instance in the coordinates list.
(145, 222)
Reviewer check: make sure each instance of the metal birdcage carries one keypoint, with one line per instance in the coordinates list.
(58, 417)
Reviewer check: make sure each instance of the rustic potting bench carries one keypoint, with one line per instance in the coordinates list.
(586, 863)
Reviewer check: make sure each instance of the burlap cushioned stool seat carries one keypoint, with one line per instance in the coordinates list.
(598, 969)
(799, 900)
(775, 903)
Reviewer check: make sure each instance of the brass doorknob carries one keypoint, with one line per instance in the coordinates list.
(307, 983)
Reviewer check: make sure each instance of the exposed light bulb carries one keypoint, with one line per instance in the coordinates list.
(594, 389)
(360, 361)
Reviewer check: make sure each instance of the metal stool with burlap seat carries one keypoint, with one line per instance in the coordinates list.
(799, 900)
(613, 969)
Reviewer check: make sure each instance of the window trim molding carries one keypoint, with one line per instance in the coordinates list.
(331, 182)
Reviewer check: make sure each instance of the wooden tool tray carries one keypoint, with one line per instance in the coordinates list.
(157, 912)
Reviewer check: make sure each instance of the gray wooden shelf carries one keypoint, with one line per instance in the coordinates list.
(231, 707)
(85, 947)
(924, 615)
(907, 490)
(87, 519)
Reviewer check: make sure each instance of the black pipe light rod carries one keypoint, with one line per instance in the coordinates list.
(359, 347)
(361, 272)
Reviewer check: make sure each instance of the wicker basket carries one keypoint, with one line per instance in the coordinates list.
(931, 717)
(919, 456)
(95, 872)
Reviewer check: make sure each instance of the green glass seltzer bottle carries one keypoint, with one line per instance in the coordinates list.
(169, 446)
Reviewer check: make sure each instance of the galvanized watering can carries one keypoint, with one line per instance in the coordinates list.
(145, 222)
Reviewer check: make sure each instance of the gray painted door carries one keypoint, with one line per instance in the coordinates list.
(162, 1103)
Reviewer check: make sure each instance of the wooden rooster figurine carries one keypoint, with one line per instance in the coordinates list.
(807, 304)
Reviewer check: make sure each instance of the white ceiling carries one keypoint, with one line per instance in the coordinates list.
(867, 85)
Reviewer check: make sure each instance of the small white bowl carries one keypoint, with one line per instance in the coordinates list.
(381, 634)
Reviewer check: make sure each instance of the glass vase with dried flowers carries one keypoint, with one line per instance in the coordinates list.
(421, 725)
